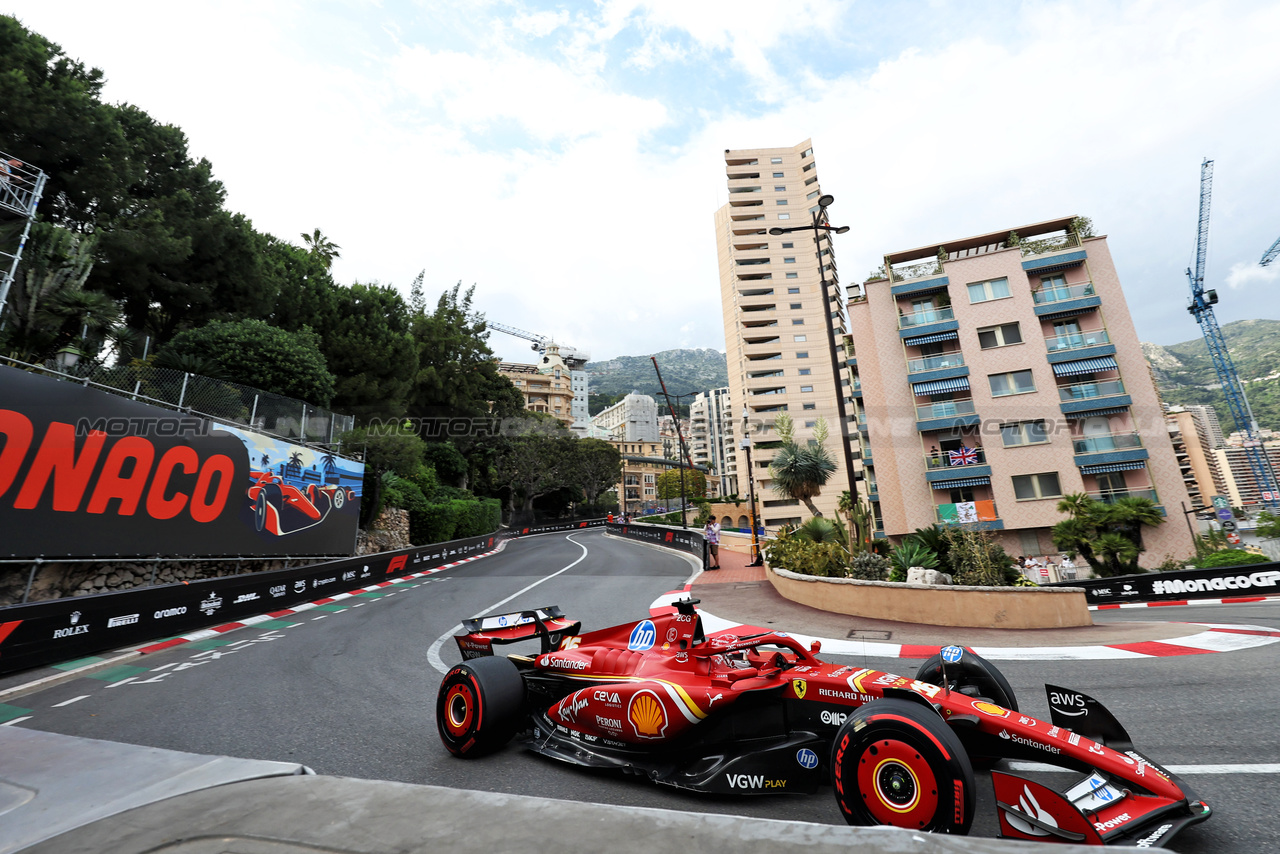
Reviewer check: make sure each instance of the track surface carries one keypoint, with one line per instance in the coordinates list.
(351, 691)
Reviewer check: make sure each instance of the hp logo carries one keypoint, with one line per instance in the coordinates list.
(642, 636)
(952, 654)
(807, 758)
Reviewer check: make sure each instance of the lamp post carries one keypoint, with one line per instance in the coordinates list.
(756, 559)
(820, 226)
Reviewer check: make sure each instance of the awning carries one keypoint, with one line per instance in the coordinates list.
(940, 386)
(1102, 468)
(964, 481)
(929, 339)
(1090, 413)
(1085, 366)
(1071, 312)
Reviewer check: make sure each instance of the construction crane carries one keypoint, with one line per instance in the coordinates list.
(574, 358)
(1270, 254)
(1201, 308)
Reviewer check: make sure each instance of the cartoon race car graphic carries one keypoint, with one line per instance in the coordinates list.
(759, 713)
(284, 506)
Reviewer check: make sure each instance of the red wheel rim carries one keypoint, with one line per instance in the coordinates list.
(897, 785)
(459, 710)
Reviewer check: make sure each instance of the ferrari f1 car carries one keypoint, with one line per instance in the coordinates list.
(759, 713)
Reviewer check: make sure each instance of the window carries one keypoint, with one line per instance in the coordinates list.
(804, 354)
(780, 188)
(1014, 382)
(775, 159)
(796, 305)
(779, 201)
(810, 406)
(1030, 486)
(804, 372)
(777, 174)
(793, 276)
(799, 321)
(984, 291)
(793, 290)
(811, 424)
(999, 336)
(808, 152)
(806, 389)
(788, 260)
(788, 246)
(801, 338)
(1023, 433)
(784, 216)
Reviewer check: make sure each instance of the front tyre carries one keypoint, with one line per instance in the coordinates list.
(895, 762)
(479, 706)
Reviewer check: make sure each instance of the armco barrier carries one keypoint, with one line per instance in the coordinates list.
(660, 535)
(61, 629)
(1255, 579)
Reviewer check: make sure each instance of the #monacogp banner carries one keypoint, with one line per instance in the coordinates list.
(84, 473)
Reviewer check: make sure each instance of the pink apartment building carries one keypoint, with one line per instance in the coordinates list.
(997, 373)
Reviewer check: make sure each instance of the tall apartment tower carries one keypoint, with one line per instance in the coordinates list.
(712, 432)
(783, 338)
(1001, 372)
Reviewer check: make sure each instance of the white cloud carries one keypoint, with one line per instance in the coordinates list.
(1246, 275)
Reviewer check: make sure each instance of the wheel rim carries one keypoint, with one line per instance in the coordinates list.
(459, 710)
(897, 785)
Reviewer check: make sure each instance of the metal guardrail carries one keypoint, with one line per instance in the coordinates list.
(218, 400)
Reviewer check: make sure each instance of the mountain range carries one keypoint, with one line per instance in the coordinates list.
(682, 370)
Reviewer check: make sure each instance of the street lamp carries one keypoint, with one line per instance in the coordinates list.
(819, 226)
(756, 559)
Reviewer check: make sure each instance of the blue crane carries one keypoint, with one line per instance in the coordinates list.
(1201, 308)
(1270, 254)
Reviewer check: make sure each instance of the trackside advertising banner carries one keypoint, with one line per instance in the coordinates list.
(671, 538)
(1257, 579)
(64, 629)
(84, 473)
(551, 527)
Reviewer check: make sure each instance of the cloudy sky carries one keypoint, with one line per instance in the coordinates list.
(567, 158)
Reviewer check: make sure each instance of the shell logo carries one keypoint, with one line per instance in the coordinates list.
(991, 709)
(647, 715)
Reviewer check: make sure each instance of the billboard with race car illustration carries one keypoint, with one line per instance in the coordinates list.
(85, 473)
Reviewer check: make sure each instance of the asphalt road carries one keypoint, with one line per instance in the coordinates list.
(351, 691)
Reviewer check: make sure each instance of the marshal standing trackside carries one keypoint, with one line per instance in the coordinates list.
(752, 711)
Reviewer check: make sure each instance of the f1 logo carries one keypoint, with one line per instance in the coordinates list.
(397, 563)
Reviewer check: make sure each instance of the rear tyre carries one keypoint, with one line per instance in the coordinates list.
(479, 706)
(972, 676)
(895, 762)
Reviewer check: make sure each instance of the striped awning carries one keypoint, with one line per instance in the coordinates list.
(1084, 366)
(940, 386)
(929, 339)
(1090, 413)
(1102, 468)
(964, 481)
(1071, 312)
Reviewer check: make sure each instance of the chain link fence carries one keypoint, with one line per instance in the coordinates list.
(219, 400)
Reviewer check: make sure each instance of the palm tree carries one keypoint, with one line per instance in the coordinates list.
(295, 461)
(322, 247)
(1130, 514)
(800, 471)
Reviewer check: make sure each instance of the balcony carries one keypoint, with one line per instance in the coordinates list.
(964, 467)
(1079, 398)
(945, 415)
(1110, 452)
(1111, 495)
(983, 514)
(927, 322)
(1077, 340)
(1047, 245)
(933, 363)
(907, 272)
(1066, 300)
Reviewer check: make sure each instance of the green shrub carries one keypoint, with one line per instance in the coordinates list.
(792, 553)
(435, 523)
(911, 553)
(869, 566)
(1230, 557)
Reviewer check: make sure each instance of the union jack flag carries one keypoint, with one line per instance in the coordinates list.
(963, 456)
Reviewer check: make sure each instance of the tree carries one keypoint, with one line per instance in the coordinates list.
(695, 483)
(533, 464)
(450, 465)
(369, 348)
(800, 471)
(1268, 525)
(387, 448)
(1107, 536)
(55, 265)
(324, 249)
(596, 468)
(259, 355)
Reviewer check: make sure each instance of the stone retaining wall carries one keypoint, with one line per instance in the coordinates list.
(945, 605)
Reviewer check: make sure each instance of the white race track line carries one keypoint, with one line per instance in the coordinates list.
(433, 654)
(1175, 769)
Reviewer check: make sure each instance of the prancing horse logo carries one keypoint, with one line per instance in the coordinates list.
(799, 686)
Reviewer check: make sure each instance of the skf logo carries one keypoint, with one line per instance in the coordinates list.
(397, 563)
(799, 686)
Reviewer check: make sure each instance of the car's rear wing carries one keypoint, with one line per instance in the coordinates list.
(548, 623)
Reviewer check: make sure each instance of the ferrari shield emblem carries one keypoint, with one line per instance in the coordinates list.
(799, 686)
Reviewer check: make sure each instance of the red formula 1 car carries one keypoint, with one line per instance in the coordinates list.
(759, 713)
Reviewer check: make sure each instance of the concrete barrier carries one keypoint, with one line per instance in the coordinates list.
(945, 605)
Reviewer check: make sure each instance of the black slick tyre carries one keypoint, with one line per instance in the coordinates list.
(895, 762)
(479, 706)
(972, 676)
